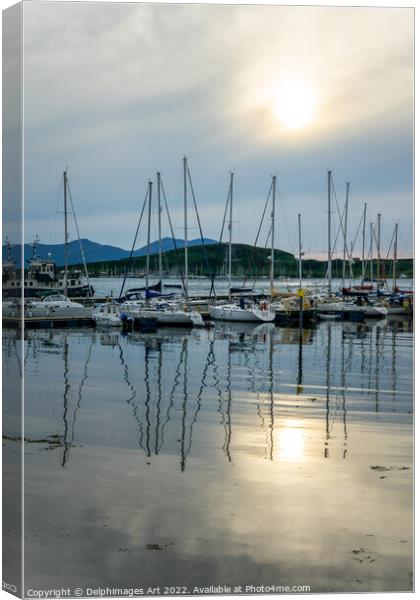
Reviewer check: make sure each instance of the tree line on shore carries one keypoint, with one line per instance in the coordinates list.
(248, 261)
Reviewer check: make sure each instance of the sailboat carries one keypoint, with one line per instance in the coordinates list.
(57, 305)
(169, 313)
(165, 310)
(399, 303)
(363, 306)
(245, 310)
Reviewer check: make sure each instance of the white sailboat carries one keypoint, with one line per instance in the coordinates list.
(245, 311)
(166, 312)
(248, 313)
(398, 303)
(369, 310)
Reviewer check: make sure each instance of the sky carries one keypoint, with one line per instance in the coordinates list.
(116, 92)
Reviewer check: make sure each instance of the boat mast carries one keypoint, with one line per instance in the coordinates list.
(329, 234)
(300, 291)
(363, 241)
(159, 229)
(230, 231)
(148, 234)
(378, 262)
(184, 160)
(9, 250)
(300, 251)
(66, 250)
(371, 253)
(34, 247)
(394, 266)
(346, 208)
(273, 216)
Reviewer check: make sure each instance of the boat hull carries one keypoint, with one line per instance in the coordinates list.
(172, 318)
(58, 312)
(56, 308)
(330, 316)
(400, 311)
(104, 321)
(227, 313)
(370, 312)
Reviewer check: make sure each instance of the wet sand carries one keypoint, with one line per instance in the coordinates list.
(299, 520)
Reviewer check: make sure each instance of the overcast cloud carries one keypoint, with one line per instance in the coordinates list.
(116, 92)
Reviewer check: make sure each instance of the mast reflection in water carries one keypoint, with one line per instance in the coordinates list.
(154, 390)
(216, 446)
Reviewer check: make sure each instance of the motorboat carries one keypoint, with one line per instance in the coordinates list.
(42, 276)
(56, 306)
(107, 315)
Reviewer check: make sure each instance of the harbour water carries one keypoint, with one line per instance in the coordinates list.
(243, 455)
(106, 286)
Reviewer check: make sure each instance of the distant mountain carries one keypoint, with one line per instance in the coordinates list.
(168, 244)
(95, 252)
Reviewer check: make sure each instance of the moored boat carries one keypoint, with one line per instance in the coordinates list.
(42, 276)
(165, 313)
(368, 310)
(330, 316)
(399, 305)
(246, 312)
(107, 315)
(56, 306)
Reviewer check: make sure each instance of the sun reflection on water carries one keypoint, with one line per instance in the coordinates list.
(291, 440)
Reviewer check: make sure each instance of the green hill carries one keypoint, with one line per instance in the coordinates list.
(247, 261)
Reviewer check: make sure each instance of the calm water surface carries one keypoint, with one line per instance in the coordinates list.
(105, 286)
(241, 455)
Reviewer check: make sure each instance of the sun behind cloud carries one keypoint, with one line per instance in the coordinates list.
(295, 103)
